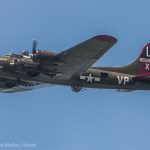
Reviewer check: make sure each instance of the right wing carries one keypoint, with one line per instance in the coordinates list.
(82, 56)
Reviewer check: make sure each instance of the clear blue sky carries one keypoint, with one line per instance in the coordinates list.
(55, 118)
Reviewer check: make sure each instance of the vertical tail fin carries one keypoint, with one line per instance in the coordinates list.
(140, 66)
(142, 63)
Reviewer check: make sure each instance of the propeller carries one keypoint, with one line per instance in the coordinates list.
(34, 45)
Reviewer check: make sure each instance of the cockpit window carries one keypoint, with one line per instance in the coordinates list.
(25, 53)
(16, 56)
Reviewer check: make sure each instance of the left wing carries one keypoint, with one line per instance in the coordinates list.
(82, 56)
(14, 85)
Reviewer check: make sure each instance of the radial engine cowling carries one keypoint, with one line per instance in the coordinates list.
(43, 57)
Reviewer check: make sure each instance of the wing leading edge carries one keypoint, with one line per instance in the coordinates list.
(82, 56)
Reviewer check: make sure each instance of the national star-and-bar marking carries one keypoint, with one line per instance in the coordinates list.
(90, 78)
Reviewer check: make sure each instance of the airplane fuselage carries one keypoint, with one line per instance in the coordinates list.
(92, 78)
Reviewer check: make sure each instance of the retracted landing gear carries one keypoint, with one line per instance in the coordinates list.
(76, 87)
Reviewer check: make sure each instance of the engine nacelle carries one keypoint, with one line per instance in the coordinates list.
(43, 57)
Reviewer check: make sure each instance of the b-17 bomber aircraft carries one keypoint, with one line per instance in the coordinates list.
(73, 67)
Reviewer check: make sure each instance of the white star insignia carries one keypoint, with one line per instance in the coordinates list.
(90, 78)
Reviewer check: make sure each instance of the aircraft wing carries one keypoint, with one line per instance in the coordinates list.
(82, 56)
(12, 85)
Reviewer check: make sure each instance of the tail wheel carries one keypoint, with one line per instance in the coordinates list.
(76, 87)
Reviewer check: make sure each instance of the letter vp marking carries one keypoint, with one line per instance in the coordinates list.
(123, 80)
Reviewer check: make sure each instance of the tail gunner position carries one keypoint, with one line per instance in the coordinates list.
(72, 67)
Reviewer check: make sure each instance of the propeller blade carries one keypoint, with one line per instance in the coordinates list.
(34, 45)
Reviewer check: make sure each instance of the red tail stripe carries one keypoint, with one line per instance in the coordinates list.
(141, 75)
